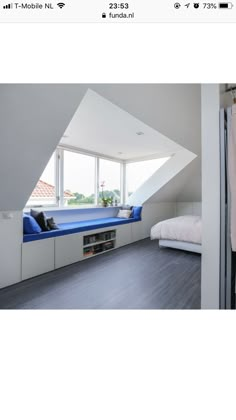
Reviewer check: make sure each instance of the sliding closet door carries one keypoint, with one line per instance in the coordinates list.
(223, 207)
(227, 258)
(230, 271)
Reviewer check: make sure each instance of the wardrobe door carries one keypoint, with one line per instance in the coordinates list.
(227, 258)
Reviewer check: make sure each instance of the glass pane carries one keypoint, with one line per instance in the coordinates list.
(138, 172)
(79, 179)
(109, 177)
(44, 193)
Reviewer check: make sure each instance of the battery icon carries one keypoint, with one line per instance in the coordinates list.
(226, 5)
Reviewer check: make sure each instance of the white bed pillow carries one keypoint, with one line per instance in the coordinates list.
(124, 214)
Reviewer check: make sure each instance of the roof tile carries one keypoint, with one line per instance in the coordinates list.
(45, 190)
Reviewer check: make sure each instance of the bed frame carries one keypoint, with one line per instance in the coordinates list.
(185, 246)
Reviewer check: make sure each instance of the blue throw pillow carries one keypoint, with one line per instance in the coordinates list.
(136, 212)
(30, 225)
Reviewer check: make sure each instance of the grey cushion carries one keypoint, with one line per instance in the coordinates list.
(41, 219)
(52, 224)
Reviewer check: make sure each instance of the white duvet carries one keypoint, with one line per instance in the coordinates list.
(183, 228)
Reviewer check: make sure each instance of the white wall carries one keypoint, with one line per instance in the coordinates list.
(10, 248)
(161, 177)
(188, 208)
(176, 190)
(210, 197)
(156, 212)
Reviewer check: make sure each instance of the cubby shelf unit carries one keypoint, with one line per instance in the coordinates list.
(98, 243)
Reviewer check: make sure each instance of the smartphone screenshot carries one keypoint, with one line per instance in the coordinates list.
(117, 209)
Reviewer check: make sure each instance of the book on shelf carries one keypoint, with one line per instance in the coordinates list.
(92, 239)
(108, 245)
(88, 251)
(99, 237)
(86, 240)
(98, 248)
(106, 236)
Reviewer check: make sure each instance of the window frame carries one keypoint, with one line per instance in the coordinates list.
(59, 178)
(56, 171)
(79, 152)
(122, 164)
(97, 157)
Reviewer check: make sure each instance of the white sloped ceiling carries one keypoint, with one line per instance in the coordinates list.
(32, 121)
(175, 111)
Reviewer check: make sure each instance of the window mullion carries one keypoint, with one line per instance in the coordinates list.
(57, 193)
(97, 181)
(123, 183)
(61, 177)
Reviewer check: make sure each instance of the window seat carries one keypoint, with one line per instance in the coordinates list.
(82, 226)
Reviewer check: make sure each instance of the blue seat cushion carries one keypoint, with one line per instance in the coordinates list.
(136, 212)
(75, 227)
(30, 226)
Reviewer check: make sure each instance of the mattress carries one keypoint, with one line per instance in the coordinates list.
(184, 229)
(185, 246)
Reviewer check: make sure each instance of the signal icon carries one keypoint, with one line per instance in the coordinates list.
(61, 5)
(8, 6)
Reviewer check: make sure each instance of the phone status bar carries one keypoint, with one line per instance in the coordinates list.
(135, 11)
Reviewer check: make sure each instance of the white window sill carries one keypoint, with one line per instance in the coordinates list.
(70, 208)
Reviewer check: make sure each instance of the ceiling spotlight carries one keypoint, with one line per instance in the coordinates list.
(140, 133)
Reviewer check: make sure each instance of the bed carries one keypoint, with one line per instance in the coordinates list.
(184, 232)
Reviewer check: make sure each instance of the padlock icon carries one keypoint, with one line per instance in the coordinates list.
(104, 15)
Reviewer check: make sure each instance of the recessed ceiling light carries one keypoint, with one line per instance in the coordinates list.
(140, 133)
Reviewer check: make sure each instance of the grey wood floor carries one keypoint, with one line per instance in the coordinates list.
(137, 276)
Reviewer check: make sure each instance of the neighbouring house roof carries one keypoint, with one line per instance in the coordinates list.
(45, 190)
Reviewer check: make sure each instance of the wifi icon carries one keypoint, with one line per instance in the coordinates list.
(61, 5)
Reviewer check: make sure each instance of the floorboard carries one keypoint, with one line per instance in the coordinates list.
(137, 276)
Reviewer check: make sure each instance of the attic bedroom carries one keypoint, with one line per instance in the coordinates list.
(101, 196)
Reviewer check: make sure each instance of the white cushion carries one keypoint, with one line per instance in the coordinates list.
(124, 214)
